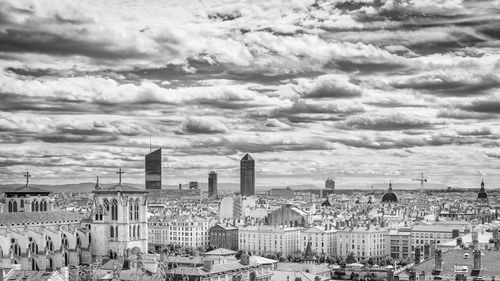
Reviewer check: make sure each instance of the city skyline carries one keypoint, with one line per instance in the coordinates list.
(361, 91)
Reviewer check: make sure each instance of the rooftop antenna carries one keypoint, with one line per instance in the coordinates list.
(422, 180)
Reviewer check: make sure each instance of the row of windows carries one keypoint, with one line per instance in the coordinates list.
(35, 206)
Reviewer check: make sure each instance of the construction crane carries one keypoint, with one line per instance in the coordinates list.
(422, 180)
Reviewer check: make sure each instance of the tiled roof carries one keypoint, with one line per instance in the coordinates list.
(27, 189)
(120, 188)
(456, 257)
(220, 252)
(22, 218)
(216, 269)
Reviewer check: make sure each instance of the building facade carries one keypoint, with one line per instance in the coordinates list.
(247, 176)
(224, 236)
(183, 231)
(262, 239)
(153, 170)
(399, 243)
(364, 242)
(119, 222)
(212, 184)
(323, 240)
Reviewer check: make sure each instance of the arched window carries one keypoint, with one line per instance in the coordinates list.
(44, 205)
(22, 204)
(14, 247)
(138, 232)
(48, 243)
(34, 265)
(111, 231)
(36, 206)
(114, 210)
(130, 234)
(133, 232)
(131, 210)
(14, 206)
(90, 238)
(10, 206)
(78, 241)
(106, 204)
(32, 246)
(136, 215)
(64, 241)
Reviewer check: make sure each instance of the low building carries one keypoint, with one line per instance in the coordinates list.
(224, 236)
(399, 243)
(323, 239)
(365, 243)
(262, 239)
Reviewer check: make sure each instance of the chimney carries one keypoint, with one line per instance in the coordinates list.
(208, 265)
(438, 260)
(477, 260)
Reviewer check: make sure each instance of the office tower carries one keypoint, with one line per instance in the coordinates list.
(193, 185)
(212, 184)
(329, 184)
(153, 170)
(247, 176)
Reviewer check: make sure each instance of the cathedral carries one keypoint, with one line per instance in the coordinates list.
(34, 236)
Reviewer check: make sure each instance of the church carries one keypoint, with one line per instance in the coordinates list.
(35, 236)
(119, 221)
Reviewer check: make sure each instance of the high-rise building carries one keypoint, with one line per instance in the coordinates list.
(329, 184)
(247, 175)
(153, 169)
(193, 185)
(329, 188)
(212, 184)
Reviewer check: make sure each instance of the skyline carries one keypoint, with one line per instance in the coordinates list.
(358, 91)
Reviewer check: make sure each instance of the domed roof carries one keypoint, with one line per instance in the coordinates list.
(482, 193)
(390, 196)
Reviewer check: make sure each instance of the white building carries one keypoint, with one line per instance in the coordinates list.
(365, 242)
(184, 231)
(263, 239)
(434, 234)
(323, 239)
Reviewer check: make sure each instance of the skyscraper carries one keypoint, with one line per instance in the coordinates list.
(212, 184)
(153, 170)
(247, 175)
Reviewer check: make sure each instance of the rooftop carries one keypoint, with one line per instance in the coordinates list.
(22, 218)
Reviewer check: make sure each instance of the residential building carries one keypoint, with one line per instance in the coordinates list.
(323, 239)
(364, 242)
(399, 243)
(262, 239)
(224, 236)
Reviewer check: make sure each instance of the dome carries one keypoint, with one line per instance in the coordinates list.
(390, 196)
(482, 193)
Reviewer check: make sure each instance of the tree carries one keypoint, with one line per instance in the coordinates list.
(351, 258)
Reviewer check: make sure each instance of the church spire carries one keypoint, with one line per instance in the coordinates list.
(390, 186)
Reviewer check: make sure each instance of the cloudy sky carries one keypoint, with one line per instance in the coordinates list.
(363, 91)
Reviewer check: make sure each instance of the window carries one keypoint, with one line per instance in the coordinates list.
(136, 213)
(14, 206)
(114, 210)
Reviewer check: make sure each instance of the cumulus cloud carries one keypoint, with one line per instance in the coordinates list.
(203, 125)
(386, 122)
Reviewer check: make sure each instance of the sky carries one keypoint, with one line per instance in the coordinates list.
(361, 91)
